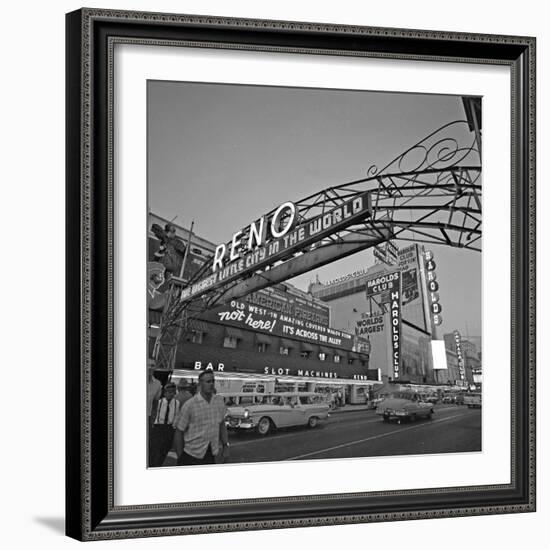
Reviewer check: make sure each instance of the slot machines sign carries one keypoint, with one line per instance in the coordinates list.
(433, 287)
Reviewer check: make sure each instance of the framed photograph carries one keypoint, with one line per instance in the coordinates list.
(300, 274)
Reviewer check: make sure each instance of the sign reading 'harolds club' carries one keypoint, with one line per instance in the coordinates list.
(269, 240)
(395, 323)
(388, 287)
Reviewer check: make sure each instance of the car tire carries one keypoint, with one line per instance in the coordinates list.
(264, 426)
(313, 422)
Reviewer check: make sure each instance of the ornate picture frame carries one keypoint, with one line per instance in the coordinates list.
(91, 368)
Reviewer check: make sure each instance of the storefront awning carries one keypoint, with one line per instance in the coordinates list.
(353, 355)
(304, 346)
(195, 325)
(327, 381)
(234, 333)
(326, 351)
(263, 339)
(246, 377)
(287, 343)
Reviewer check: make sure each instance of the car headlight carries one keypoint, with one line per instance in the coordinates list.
(246, 413)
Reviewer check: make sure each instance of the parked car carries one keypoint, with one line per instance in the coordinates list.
(473, 400)
(459, 399)
(269, 412)
(432, 398)
(404, 405)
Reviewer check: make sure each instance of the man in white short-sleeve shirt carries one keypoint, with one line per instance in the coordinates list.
(201, 435)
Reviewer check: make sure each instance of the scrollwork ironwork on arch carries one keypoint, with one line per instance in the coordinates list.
(448, 146)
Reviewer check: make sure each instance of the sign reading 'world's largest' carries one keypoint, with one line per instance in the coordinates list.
(272, 239)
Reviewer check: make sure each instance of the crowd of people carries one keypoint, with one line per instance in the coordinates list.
(189, 418)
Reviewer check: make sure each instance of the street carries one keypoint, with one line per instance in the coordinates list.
(362, 433)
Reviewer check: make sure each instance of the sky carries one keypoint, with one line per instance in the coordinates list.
(223, 155)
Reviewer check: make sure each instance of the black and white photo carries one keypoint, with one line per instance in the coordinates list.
(319, 251)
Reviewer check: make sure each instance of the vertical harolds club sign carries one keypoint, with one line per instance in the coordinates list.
(387, 288)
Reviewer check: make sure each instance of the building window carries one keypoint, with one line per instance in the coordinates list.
(262, 347)
(351, 360)
(304, 354)
(230, 342)
(196, 337)
(337, 358)
(284, 387)
(283, 351)
(322, 356)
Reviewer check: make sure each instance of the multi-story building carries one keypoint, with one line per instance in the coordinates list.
(468, 358)
(362, 302)
(280, 336)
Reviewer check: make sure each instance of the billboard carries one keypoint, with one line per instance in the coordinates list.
(369, 323)
(257, 246)
(290, 304)
(382, 285)
(408, 263)
(395, 328)
(439, 355)
(459, 355)
(433, 287)
(283, 315)
(386, 253)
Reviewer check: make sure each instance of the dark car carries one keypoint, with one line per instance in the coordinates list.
(403, 405)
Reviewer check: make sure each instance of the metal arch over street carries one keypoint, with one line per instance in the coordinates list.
(431, 193)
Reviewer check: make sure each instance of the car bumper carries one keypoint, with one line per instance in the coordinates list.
(240, 424)
(389, 413)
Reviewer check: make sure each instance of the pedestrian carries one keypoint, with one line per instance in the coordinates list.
(183, 392)
(154, 391)
(162, 432)
(201, 435)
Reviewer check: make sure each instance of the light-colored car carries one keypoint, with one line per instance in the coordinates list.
(278, 410)
(473, 400)
(404, 405)
(432, 398)
(374, 403)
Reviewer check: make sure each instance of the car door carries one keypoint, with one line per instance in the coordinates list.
(423, 407)
(281, 412)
